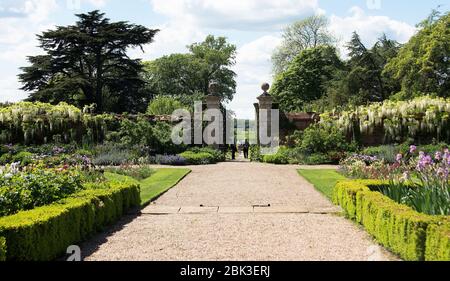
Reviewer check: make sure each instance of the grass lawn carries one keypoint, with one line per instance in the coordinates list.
(156, 185)
(323, 180)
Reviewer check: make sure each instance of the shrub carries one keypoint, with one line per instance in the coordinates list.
(201, 158)
(218, 155)
(44, 233)
(280, 158)
(163, 106)
(255, 153)
(155, 135)
(138, 173)
(396, 226)
(111, 155)
(172, 160)
(323, 139)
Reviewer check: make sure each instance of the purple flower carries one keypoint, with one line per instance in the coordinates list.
(399, 157)
(413, 149)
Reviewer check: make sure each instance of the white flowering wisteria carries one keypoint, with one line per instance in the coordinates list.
(27, 122)
(399, 120)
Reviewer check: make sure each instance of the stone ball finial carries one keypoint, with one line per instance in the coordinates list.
(265, 87)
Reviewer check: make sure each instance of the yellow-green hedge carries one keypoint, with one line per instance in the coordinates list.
(438, 242)
(2, 249)
(44, 233)
(398, 227)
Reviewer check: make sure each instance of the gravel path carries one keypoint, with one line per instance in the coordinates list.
(221, 212)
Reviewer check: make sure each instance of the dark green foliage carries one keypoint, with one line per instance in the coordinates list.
(44, 234)
(154, 135)
(198, 158)
(218, 155)
(87, 63)
(323, 139)
(422, 65)
(306, 78)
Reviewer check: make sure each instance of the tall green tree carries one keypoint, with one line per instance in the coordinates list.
(362, 80)
(87, 63)
(306, 78)
(423, 64)
(301, 35)
(188, 76)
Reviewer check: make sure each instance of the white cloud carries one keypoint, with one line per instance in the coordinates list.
(253, 68)
(18, 40)
(370, 28)
(237, 14)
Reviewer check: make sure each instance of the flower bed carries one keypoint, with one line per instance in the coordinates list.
(44, 233)
(412, 235)
(36, 186)
(418, 180)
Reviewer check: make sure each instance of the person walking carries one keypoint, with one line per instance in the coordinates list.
(233, 151)
(246, 149)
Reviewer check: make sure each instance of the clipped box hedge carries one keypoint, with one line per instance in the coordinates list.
(438, 242)
(413, 236)
(44, 233)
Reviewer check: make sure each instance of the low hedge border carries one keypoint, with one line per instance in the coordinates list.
(438, 242)
(413, 236)
(44, 233)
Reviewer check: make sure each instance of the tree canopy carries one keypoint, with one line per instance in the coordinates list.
(423, 64)
(87, 63)
(188, 76)
(306, 78)
(301, 35)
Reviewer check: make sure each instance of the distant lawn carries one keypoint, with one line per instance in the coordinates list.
(323, 180)
(156, 185)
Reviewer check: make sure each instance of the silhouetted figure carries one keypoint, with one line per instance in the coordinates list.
(234, 150)
(246, 149)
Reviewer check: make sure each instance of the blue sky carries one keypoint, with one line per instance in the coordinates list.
(255, 26)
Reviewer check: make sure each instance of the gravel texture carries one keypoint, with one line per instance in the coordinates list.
(228, 228)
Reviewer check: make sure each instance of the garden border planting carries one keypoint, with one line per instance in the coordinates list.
(412, 235)
(45, 232)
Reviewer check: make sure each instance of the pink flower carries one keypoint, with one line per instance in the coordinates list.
(399, 157)
(412, 149)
